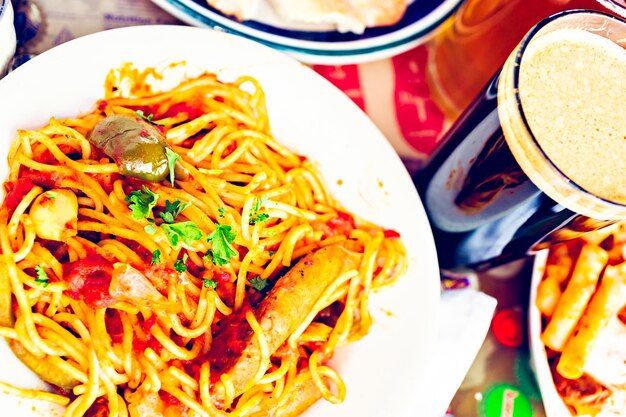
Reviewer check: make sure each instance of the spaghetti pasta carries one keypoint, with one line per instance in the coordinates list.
(165, 255)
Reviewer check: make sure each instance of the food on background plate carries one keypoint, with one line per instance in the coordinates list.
(165, 255)
(239, 9)
(346, 15)
(582, 300)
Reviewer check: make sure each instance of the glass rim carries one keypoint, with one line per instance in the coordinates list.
(615, 6)
(530, 35)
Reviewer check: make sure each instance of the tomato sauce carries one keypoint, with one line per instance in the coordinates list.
(105, 180)
(102, 105)
(89, 280)
(193, 269)
(192, 109)
(140, 344)
(233, 335)
(45, 157)
(100, 408)
(391, 234)
(229, 149)
(343, 224)
(169, 399)
(28, 179)
(114, 326)
(140, 250)
(225, 287)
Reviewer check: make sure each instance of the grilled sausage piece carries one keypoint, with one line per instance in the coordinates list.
(43, 368)
(235, 350)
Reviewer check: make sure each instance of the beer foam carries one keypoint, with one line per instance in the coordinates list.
(572, 86)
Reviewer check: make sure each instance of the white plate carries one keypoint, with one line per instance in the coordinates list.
(552, 402)
(386, 372)
(317, 44)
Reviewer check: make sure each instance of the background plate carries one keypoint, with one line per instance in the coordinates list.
(316, 44)
(552, 402)
(387, 372)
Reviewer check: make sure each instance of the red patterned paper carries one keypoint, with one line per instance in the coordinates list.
(346, 78)
(420, 119)
(395, 93)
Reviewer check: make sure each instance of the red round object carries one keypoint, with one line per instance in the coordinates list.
(508, 328)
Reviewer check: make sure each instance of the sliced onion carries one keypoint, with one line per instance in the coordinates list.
(130, 285)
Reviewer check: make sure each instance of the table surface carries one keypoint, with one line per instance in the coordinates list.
(395, 94)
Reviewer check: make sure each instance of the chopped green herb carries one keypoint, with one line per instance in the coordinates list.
(181, 264)
(259, 283)
(156, 257)
(147, 118)
(172, 157)
(255, 216)
(42, 277)
(272, 253)
(51, 195)
(141, 202)
(208, 257)
(172, 210)
(222, 211)
(259, 218)
(209, 283)
(188, 232)
(258, 203)
(211, 171)
(150, 229)
(221, 249)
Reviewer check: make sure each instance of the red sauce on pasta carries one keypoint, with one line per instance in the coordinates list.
(89, 280)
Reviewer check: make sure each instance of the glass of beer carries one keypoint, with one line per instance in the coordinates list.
(474, 43)
(540, 155)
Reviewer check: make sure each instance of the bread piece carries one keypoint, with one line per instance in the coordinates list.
(379, 12)
(345, 15)
(240, 9)
(338, 13)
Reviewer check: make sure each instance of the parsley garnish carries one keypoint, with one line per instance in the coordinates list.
(259, 283)
(209, 283)
(222, 211)
(272, 253)
(141, 202)
(259, 218)
(172, 157)
(156, 257)
(255, 216)
(208, 257)
(51, 195)
(221, 248)
(180, 265)
(172, 210)
(42, 277)
(147, 118)
(188, 232)
(258, 202)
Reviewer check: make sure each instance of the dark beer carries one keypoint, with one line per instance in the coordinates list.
(494, 196)
(470, 47)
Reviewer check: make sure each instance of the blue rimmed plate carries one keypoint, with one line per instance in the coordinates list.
(318, 44)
